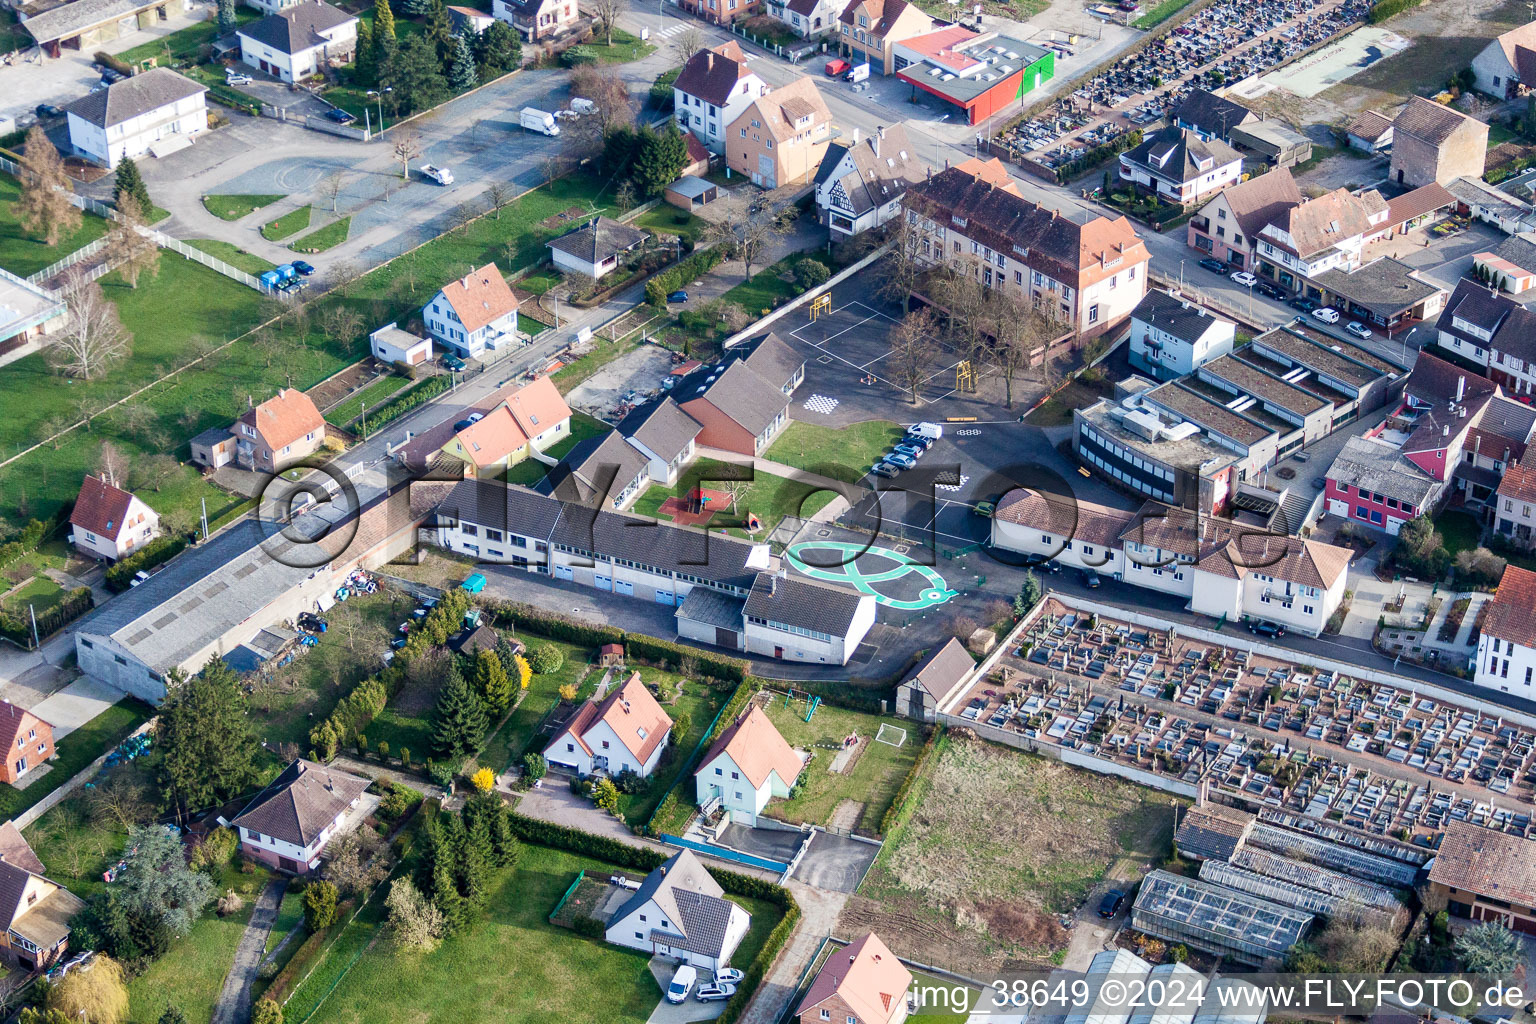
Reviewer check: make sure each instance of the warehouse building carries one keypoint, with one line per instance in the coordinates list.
(979, 73)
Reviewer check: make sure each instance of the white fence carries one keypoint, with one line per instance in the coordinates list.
(85, 252)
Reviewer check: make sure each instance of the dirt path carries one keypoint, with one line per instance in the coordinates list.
(234, 1005)
(818, 917)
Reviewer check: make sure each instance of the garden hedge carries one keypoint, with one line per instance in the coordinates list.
(532, 620)
(156, 552)
(18, 628)
(902, 804)
(758, 969)
(413, 396)
(731, 670)
(605, 848)
(25, 542)
(1387, 8)
(685, 272)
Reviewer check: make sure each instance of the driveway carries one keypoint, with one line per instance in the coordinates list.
(680, 1013)
(76, 704)
(234, 1005)
(835, 863)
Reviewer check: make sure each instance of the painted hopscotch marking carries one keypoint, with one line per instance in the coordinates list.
(937, 593)
(820, 403)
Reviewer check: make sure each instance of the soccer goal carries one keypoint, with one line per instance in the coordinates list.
(894, 735)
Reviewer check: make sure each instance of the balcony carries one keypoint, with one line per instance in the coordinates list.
(1201, 224)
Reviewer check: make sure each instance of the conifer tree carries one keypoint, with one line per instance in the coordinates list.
(130, 181)
(458, 721)
(492, 684)
(462, 73)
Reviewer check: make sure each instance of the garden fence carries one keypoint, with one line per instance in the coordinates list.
(556, 912)
(85, 252)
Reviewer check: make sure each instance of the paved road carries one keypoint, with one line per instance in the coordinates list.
(234, 1005)
(819, 911)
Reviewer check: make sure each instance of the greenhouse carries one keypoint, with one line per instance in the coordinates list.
(1216, 919)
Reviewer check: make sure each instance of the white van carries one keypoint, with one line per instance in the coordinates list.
(929, 430)
(858, 72)
(539, 121)
(582, 106)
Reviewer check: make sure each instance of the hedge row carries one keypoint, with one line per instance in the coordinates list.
(156, 552)
(353, 713)
(839, 693)
(730, 670)
(685, 272)
(604, 848)
(758, 969)
(25, 542)
(533, 620)
(1380, 12)
(903, 804)
(416, 395)
(17, 628)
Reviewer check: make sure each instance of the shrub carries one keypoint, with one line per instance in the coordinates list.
(534, 766)
(588, 927)
(216, 850)
(320, 899)
(544, 658)
(120, 575)
(731, 670)
(267, 1011)
(661, 90)
(229, 903)
(900, 811)
(414, 396)
(484, 780)
(810, 272)
(1380, 12)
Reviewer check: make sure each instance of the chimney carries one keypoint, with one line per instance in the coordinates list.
(880, 128)
(855, 135)
(709, 60)
(1461, 387)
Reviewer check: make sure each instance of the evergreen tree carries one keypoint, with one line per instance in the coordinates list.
(173, 1015)
(462, 73)
(415, 74)
(383, 21)
(498, 50)
(365, 70)
(445, 895)
(659, 157)
(429, 838)
(492, 684)
(415, 8)
(204, 749)
(458, 721)
(505, 654)
(439, 32)
(227, 19)
(474, 862)
(385, 51)
(619, 144)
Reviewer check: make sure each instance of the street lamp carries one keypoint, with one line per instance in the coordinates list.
(378, 97)
(1181, 275)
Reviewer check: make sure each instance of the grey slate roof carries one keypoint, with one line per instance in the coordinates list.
(1183, 320)
(296, 29)
(883, 167)
(1385, 286)
(775, 361)
(598, 239)
(941, 668)
(1212, 114)
(745, 396)
(797, 601)
(663, 428)
(1175, 153)
(298, 805)
(1513, 326)
(1383, 469)
(689, 897)
(712, 608)
(596, 468)
(130, 97)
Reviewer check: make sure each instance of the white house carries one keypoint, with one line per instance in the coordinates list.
(157, 112)
(1506, 650)
(712, 90)
(295, 42)
(474, 313)
(1180, 166)
(680, 911)
(1171, 337)
(860, 183)
(1223, 568)
(665, 435)
(1506, 67)
(389, 344)
(596, 248)
(288, 824)
(746, 767)
(807, 17)
(624, 732)
(108, 522)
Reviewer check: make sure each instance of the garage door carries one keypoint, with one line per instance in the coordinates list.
(623, 587)
(602, 582)
(562, 572)
(726, 638)
(664, 597)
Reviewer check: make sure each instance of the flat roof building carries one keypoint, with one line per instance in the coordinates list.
(980, 73)
(1216, 919)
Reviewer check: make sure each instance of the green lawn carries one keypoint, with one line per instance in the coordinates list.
(665, 219)
(520, 733)
(1160, 13)
(22, 253)
(625, 49)
(290, 915)
(771, 286)
(805, 445)
(531, 471)
(235, 207)
(529, 326)
(1460, 531)
(40, 592)
(328, 237)
(192, 974)
(76, 750)
(289, 223)
(875, 776)
(232, 254)
(186, 43)
(374, 395)
(769, 497)
(532, 972)
(539, 281)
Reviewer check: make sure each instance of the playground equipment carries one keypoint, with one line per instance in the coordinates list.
(965, 376)
(821, 304)
(754, 524)
(811, 706)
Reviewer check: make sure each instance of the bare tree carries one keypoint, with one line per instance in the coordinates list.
(900, 272)
(156, 471)
(340, 323)
(112, 465)
(912, 350)
(463, 215)
(581, 284)
(44, 204)
(121, 800)
(583, 138)
(1017, 333)
(129, 245)
(498, 194)
(606, 12)
(624, 196)
(552, 168)
(407, 148)
(93, 339)
(332, 187)
(736, 490)
(688, 42)
(747, 231)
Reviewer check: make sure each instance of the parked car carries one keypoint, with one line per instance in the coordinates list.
(682, 983)
(932, 431)
(441, 175)
(838, 67)
(340, 116)
(1213, 264)
(1264, 627)
(923, 441)
(49, 110)
(1301, 456)
(138, 577)
(303, 268)
(1327, 314)
(1243, 279)
(716, 992)
(1090, 579)
(452, 361)
(884, 469)
(728, 976)
(1305, 305)
(898, 459)
(233, 77)
(1110, 905)
(1358, 329)
(1269, 291)
(678, 296)
(468, 421)
(912, 451)
(1041, 564)
(985, 509)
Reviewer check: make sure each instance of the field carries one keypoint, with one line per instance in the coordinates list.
(235, 207)
(509, 963)
(867, 789)
(192, 974)
(769, 497)
(810, 445)
(1001, 843)
(20, 252)
(233, 255)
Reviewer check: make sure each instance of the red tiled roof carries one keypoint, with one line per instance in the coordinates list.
(100, 508)
(480, 297)
(1519, 481)
(867, 976)
(757, 749)
(12, 721)
(1509, 613)
(284, 418)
